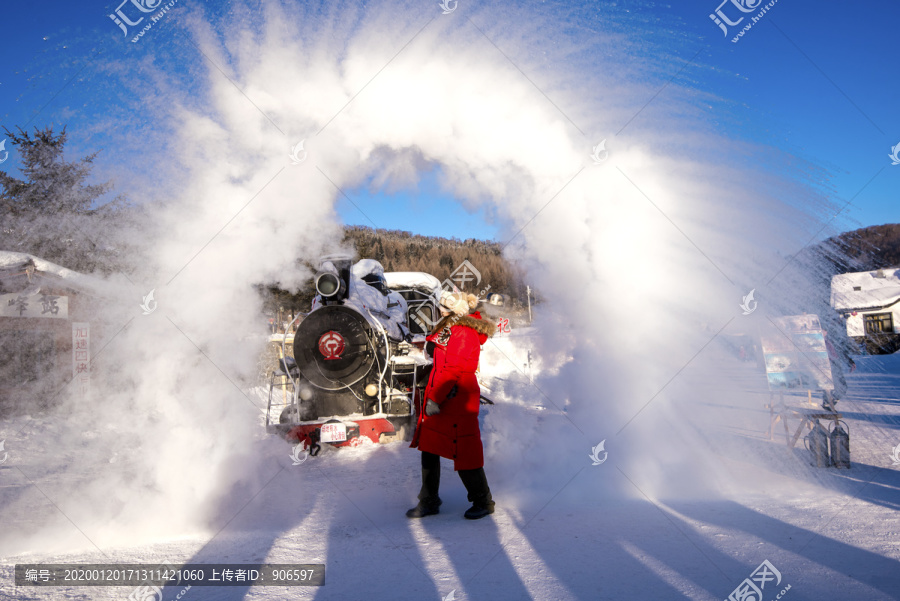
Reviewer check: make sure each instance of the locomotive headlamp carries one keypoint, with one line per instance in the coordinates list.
(328, 284)
(332, 279)
(371, 390)
(306, 393)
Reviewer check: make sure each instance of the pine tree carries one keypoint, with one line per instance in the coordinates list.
(53, 213)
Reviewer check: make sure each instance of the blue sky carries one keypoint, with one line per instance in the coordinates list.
(814, 81)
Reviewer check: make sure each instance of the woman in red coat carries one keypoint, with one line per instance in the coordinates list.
(448, 425)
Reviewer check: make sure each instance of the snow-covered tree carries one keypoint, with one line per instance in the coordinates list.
(53, 212)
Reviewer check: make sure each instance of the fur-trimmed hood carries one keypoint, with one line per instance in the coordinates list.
(479, 325)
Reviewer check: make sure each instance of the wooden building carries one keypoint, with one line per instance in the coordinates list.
(46, 331)
(869, 301)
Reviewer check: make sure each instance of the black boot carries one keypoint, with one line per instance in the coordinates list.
(423, 509)
(476, 512)
(479, 493)
(429, 501)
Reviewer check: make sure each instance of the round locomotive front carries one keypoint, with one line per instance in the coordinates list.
(334, 351)
(332, 347)
(356, 368)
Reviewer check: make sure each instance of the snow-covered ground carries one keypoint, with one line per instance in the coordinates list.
(564, 528)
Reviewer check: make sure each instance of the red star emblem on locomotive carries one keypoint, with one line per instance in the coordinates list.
(331, 345)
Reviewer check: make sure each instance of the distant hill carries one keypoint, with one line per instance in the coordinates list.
(399, 250)
(404, 251)
(866, 249)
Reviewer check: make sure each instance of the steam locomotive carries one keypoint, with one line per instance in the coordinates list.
(357, 362)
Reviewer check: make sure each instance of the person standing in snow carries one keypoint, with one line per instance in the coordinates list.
(448, 423)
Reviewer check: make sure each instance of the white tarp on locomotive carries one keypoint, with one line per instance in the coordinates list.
(398, 280)
(422, 292)
(380, 310)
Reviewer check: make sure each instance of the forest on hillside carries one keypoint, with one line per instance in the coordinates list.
(866, 249)
(399, 250)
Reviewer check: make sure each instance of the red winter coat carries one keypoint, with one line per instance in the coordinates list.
(454, 433)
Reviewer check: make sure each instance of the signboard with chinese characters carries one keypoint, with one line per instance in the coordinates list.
(796, 355)
(34, 305)
(503, 326)
(81, 357)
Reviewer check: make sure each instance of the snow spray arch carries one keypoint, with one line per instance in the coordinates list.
(640, 256)
(636, 247)
(594, 243)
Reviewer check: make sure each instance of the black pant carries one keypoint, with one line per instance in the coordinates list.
(474, 480)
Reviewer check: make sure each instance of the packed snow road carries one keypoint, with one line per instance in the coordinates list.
(564, 528)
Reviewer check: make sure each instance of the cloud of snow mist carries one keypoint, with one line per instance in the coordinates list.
(639, 260)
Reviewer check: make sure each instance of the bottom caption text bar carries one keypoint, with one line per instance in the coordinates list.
(195, 574)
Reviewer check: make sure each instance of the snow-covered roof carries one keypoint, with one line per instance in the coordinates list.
(14, 261)
(865, 290)
(399, 280)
